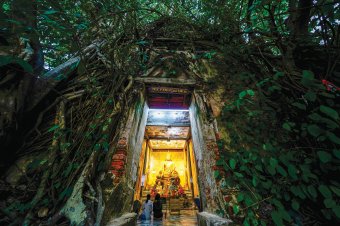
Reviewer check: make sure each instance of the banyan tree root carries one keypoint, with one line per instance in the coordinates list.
(75, 209)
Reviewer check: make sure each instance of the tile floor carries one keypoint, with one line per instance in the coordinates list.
(187, 218)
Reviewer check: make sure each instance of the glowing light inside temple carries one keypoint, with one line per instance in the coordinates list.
(166, 144)
(157, 117)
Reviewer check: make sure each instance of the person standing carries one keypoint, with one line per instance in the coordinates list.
(136, 206)
(198, 203)
(157, 208)
(147, 208)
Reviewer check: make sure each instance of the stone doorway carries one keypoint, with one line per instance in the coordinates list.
(179, 134)
(167, 162)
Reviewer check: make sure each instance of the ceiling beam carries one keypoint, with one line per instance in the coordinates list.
(171, 81)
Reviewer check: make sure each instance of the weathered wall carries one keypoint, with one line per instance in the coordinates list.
(128, 219)
(125, 161)
(208, 219)
(204, 141)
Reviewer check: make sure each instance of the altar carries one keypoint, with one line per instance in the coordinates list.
(167, 174)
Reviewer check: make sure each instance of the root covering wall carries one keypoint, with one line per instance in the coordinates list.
(124, 168)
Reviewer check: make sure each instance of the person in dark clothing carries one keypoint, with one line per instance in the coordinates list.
(157, 208)
(198, 203)
(136, 206)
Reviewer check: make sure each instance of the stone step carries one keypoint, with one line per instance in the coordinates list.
(187, 192)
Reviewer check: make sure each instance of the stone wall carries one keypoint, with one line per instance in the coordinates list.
(203, 129)
(128, 219)
(208, 219)
(124, 166)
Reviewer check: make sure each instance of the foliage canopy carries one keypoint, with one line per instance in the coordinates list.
(280, 143)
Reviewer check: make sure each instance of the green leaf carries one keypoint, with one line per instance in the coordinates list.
(267, 184)
(311, 96)
(96, 147)
(336, 153)
(314, 130)
(299, 105)
(327, 94)
(307, 78)
(246, 222)
(296, 190)
(57, 185)
(105, 127)
(329, 123)
(240, 197)
(314, 116)
(278, 75)
(336, 210)
(238, 174)
(220, 162)
(281, 171)
(284, 214)
(332, 137)
(277, 218)
(259, 167)
(50, 11)
(53, 128)
(307, 75)
(312, 191)
(232, 163)
(236, 209)
(327, 213)
(292, 171)
(255, 181)
(335, 190)
(277, 203)
(250, 92)
(142, 42)
(286, 126)
(217, 174)
(329, 203)
(263, 222)
(248, 201)
(325, 191)
(324, 156)
(106, 145)
(273, 162)
(242, 94)
(329, 112)
(271, 170)
(295, 205)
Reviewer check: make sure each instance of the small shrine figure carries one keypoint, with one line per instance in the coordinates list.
(180, 191)
(175, 178)
(159, 181)
(167, 170)
(174, 173)
(160, 175)
(153, 191)
(159, 187)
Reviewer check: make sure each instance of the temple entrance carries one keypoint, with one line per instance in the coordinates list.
(167, 164)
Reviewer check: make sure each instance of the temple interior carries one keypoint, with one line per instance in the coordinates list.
(167, 164)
